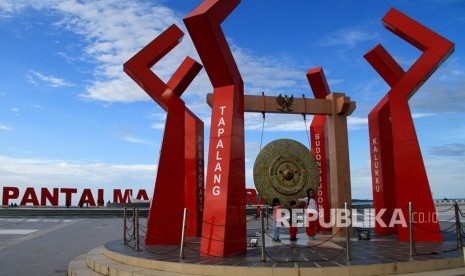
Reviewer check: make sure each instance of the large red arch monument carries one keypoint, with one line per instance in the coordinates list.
(224, 225)
(398, 172)
(180, 167)
(397, 167)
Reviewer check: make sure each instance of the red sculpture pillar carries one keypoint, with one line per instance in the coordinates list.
(224, 225)
(317, 80)
(382, 166)
(403, 167)
(194, 176)
(164, 223)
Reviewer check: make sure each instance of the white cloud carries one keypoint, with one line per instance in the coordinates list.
(276, 122)
(112, 32)
(159, 120)
(4, 128)
(354, 122)
(441, 97)
(116, 90)
(454, 149)
(357, 122)
(347, 37)
(35, 77)
(422, 115)
(38, 106)
(64, 171)
(260, 74)
(293, 122)
(7, 7)
(445, 175)
(115, 30)
(23, 172)
(159, 126)
(361, 182)
(131, 139)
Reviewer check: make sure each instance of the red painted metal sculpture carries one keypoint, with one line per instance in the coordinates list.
(180, 168)
(317, 80)
(398, 172)
(224, 225)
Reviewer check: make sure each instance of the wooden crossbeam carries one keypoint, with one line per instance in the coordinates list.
(269, 104)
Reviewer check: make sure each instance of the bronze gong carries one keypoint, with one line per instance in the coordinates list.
(285, 169)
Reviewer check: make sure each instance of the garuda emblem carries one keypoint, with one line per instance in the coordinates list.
(284, 103)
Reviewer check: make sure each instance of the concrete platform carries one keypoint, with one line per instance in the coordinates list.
(327, 255)
(33, 239)
(324, 256)
(102, 261)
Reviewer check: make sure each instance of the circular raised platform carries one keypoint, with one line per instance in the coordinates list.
(327, 255)
(304, 257)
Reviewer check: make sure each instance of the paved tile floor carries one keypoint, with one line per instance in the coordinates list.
(326, 250)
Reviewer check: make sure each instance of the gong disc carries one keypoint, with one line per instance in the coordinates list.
(285, 169)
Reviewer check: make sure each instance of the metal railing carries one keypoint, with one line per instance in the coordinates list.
(132, 230)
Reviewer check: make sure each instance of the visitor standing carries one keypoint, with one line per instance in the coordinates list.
(311, 208)
(292, 228)
(276, 213)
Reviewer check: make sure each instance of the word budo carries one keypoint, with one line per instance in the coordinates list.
(52, 196)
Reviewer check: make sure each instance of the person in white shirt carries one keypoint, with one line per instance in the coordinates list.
(310, 205)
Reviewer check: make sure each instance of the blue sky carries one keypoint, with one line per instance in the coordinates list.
(70, 117)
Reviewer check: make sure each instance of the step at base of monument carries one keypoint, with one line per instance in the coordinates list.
(78, 267)
(101, 261)
(95, 263)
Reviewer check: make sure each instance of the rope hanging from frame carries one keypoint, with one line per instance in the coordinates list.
(304, 115)
(263, 121)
